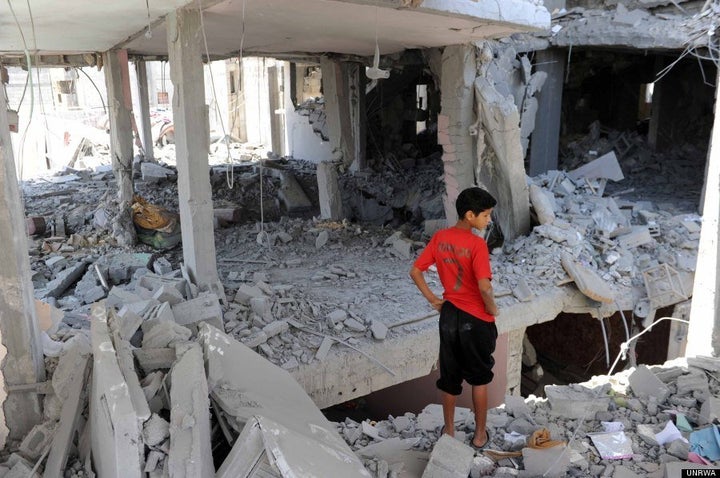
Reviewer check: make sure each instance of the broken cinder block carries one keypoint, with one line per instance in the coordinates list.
(644, 383)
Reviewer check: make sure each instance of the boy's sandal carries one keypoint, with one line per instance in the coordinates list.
(480, 447)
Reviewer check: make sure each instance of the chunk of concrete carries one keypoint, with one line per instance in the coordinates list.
(128, 323)
(275, 328)
(259, 387)
(156, 430)
(115, 436)
(190, 440)
(63, 280)
(246, 292)
(644, 383)
(150, 359)
(605, 167)
(577, 401)
(168, 294)
(379, 330)
(205, 308)
(35, 442)
(324, 348)
(154, 173)
(693, 383)
(165, 334)
(710, 410)
(548, 462)
(292, 195)
(450, 458)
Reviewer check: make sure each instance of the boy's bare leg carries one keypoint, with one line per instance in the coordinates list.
(448, 404)
(480, 400)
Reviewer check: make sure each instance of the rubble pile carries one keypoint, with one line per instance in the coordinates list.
(410, 193)
(619, 242)
(132, 387)
(639, 422)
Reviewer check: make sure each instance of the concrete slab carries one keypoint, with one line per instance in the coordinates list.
(576, 401)
(204, 308)
(644, 383)
(116, 440)
(260, 388)
(548, 462)
(450, 458)
(190, 443)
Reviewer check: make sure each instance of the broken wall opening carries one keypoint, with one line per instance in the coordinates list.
(571, 348)
(402, 116)
(653, 110)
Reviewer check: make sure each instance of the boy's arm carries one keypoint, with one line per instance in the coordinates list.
(419, 280)
(486, 291)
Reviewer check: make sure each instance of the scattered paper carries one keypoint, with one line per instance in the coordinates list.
(669, 434)
(612, 445)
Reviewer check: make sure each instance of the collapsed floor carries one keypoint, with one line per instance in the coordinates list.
(287, 279)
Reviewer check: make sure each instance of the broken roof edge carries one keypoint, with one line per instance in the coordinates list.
(523, 13)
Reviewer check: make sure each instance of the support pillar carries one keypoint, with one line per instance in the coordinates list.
(456, 116)
(22, 361)
(514, 361)
(344, 90)
(501, 167)
(704, 329)
(144, 99)
(277, 110)
(329, 192)
(117, 80)
(190, 115)
(546, 136)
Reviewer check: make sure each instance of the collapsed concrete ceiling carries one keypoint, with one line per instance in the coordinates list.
(271, 26)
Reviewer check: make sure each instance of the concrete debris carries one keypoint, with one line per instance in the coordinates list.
(570, 413)
(449, 458)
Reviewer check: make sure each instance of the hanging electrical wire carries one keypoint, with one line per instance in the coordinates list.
(703, 42)
(624, 347)
(28, 62)
(230, 171)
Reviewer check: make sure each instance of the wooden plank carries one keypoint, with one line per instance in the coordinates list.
(587, 281)
(69, 417)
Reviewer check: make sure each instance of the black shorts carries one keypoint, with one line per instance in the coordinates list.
(466, 347)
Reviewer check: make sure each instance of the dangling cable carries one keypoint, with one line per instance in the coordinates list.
(230, 179)
(32, 94)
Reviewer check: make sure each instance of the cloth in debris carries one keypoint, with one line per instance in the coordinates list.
(706, 443)
(150, 216)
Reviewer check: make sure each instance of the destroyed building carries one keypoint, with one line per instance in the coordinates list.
(234, 192)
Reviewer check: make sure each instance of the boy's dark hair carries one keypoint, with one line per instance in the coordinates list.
(476, 200)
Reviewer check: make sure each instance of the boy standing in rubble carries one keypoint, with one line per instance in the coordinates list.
(467, 308)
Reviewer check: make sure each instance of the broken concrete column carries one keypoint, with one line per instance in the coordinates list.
(344, 90)
(329, 192)
(457, 115)
(144, 100)
(501, 167)
(704, 328)
(23, 362)
(190, 116)
(117, 80)
(190, 442)
(514, 361)
(546, 135)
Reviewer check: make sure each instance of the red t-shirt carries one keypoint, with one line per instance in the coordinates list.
(462, 258)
